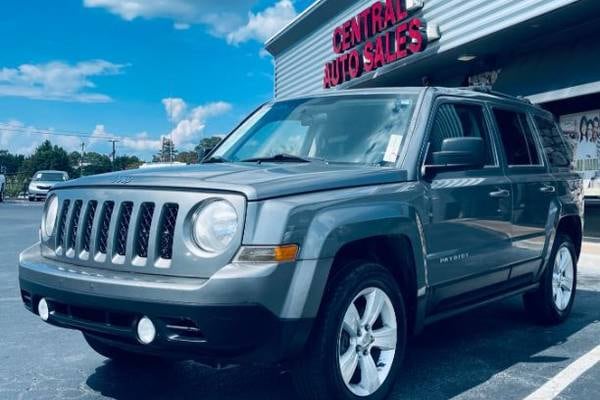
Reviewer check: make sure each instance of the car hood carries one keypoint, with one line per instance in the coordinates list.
(45, 183)
(255, 181)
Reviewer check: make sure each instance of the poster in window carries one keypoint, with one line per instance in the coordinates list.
(583, 133)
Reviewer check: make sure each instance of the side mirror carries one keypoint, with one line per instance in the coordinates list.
(457, 154)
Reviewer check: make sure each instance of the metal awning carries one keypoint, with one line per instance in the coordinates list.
(569, 71)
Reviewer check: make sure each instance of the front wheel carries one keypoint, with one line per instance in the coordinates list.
(358, 342)
(552, 302)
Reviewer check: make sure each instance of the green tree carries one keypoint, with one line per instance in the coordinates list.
(127, 162)
(96, 163)
(206, 145)
(46, 157)
(188, 157)
(10, 163)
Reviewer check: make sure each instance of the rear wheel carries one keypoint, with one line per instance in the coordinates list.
(119, 355)
(553, 301)
(358, 342)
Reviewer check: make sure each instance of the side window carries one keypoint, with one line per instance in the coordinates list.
(517, 138)
(460, 120)
(560, 154)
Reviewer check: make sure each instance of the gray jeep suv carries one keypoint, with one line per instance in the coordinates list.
(318, 235)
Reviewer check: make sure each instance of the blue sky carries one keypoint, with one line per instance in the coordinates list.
(136, 70)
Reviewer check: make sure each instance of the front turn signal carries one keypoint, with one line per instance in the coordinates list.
(278, 254)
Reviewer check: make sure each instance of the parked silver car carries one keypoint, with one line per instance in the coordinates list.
(42, 182)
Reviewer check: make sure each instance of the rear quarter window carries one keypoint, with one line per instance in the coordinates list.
(558, 151)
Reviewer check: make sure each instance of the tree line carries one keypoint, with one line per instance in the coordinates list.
(19, 168)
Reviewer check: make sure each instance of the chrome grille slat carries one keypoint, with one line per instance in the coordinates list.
(132, 237)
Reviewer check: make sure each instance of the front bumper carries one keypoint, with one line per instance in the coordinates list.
(107, 304)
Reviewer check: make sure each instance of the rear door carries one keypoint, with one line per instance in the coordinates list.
(468, 230)
(533, 188)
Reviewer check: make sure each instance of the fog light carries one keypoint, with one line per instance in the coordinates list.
(43, 310)
(146, 330)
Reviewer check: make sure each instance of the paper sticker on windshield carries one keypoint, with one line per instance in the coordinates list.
(393, 148)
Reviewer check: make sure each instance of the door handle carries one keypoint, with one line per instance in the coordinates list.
(548, 189)
(500, 194)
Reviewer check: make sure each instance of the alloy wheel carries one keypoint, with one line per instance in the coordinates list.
(367, 342)
(563, 278)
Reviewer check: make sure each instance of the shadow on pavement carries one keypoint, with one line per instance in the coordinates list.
(449, 358)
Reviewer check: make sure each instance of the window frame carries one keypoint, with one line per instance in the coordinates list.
(552, 120)
(540, 150)
(444, 100)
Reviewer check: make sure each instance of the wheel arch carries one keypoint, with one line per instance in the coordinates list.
(572, 226)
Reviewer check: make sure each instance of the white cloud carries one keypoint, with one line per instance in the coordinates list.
(190, 127)
(57, 81)
(141, 143)
(19, 138)
(261, 26)
(229, 19)
(175, 108)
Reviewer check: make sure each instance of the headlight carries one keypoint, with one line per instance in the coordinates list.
(49, 220)
(214, 226)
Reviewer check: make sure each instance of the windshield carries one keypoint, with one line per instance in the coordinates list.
(340, 129)
(50, 177)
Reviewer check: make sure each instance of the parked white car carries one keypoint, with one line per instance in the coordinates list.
(42, 182)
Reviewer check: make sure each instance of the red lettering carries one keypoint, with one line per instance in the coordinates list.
(376, 17)
(390, 14)
(356, 32)
(379, 59)
(390, 54)
(401, 41)
(368, 54)
(347, 36)
(343, 67)
(334, 74)
(401, 12)
(354, 64)
(364, 18)
(338, 38)
(417, 41)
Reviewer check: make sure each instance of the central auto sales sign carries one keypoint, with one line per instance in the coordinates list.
(377, 36)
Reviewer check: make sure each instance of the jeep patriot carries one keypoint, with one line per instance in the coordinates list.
(318, 236)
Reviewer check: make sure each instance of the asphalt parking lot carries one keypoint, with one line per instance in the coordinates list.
(491, 353)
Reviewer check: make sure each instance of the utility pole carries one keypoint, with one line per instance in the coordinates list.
(114, 151)
(81, 159)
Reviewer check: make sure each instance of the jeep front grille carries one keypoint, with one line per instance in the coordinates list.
(138, 230)
(79, 232)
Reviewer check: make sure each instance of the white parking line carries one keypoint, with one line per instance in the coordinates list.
(556, 385)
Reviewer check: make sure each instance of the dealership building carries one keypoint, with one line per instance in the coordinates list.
(545, 50)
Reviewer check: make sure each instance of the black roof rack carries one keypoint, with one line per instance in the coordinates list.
(489, 90)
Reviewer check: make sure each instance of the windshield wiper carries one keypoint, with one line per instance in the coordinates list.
(215, 160)
(282, 157)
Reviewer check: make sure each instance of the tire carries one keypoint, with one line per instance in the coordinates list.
(1, 193)
(317, 374)
(30, 198)
(119, 355)
(546, 305)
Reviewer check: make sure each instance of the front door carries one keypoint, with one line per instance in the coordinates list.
(468, 230)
